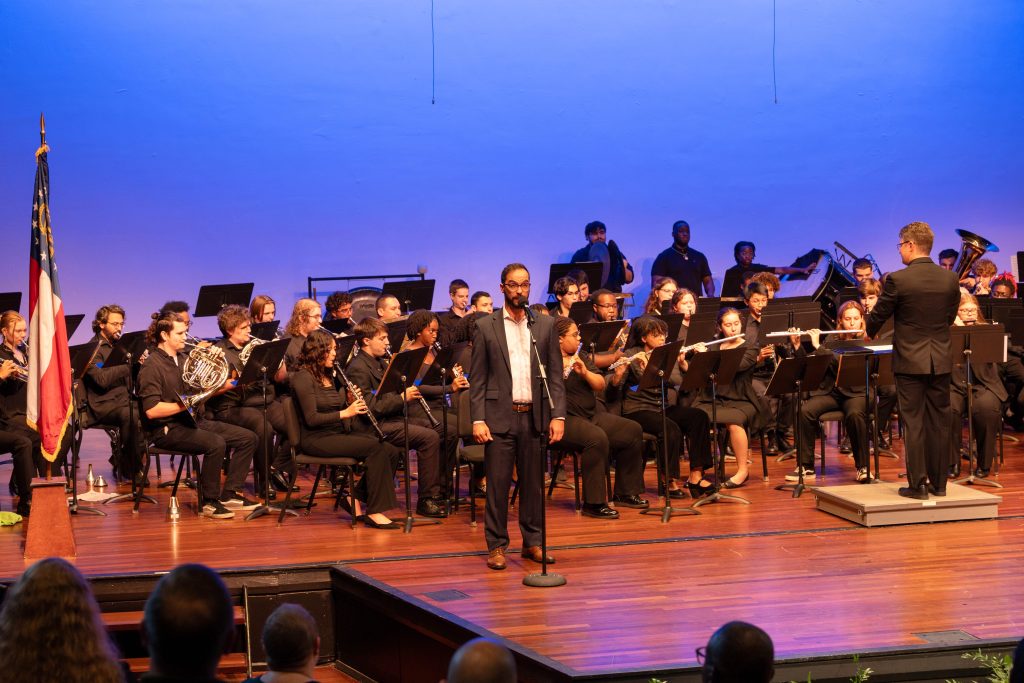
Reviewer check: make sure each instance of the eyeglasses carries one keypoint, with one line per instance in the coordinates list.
(315, 316)
(612, 305)
(701, 653)
(900, 245)
(521, 286)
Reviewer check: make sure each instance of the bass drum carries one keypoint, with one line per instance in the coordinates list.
(823, 285)
(364, 302)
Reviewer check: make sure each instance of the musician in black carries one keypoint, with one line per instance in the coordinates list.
(366, 370)
(15, 436)
(14, 404)
(778, 417)
(451, 330)
(688, 267)
(598, 434)
(106, 392)
(339, 307)
(169, 425)
(567, 292)
(989, 396)
(644, 407)
(481, 302)
(739, 406)
(389, 308)
(325, 417)
(306, 317)
(616, 270)
(262, 309)
(743, 252)
(421, 332)
(828, 397)
(244, 406)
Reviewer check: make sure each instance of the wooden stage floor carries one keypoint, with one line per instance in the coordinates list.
(641, 595)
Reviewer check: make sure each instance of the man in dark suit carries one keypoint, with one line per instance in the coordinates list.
(922, 299)
(509, 409)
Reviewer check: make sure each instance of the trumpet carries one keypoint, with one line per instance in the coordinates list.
(358, 395)
(20, 370)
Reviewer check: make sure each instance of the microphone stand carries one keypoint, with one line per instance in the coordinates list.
(267, 508)
(543, 579)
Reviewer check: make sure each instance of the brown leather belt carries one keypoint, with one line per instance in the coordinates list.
(522, 407)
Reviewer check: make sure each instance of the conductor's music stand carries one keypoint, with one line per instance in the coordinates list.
(791, 376)
(976, 344)
(212, 298)
(400, 373)
(413, 295)
(656, 374)
(709, 369)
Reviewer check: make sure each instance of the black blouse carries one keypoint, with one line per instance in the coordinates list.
(319, 407)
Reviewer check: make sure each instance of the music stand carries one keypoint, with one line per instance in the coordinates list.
(339, 326)
(212, 298)
(266, 331)
(10, 301)
(257, 369)
(593, 269)
(81, 361)
(396, 333)
(344, 346)
(792, 376)
(413, 295)
(599, 337)
(582, 312)
(709, 369)
(399, 375)
(656, 373)
(976, 344)
(71, 323)
(702, 328)
(128, 350)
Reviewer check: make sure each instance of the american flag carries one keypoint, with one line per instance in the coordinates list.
(49, 376)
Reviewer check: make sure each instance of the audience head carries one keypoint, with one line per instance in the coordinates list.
(50, 629)
(188, 623)
(291, 640)
(482, 661)
(947, 258)
(738, 652)
(1017, 672)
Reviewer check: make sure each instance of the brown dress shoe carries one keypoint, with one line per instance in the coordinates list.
(532, 552)
(496, 559)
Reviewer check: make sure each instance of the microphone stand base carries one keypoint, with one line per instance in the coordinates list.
(543, 580)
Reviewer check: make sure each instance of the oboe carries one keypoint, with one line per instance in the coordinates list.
(358, 394)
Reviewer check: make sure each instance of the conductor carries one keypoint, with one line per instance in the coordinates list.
(509, 410)
(923, 300)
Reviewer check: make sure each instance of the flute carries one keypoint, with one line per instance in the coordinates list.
(802, 332)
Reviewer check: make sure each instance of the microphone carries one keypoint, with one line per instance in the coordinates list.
(531, 317)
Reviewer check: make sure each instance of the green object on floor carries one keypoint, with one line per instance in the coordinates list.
(9, 518)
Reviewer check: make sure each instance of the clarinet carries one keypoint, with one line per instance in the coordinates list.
(423, 402)
(359, 397)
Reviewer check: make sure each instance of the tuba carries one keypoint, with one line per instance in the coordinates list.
(205, 369)
(970, 251)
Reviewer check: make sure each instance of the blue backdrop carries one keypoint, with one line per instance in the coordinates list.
(208, 142)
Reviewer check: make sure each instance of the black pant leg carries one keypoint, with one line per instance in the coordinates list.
(200, 442)
(987, 419)
(626, 444)
(856, 420)
(937, 434)
(696, 425)
(810, 412)
(592, 443)
(379, 459)
(20, 447)
(499, 460)
(242, 443)
(652, 423)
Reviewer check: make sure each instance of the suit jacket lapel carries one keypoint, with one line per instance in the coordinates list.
(498, 318)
